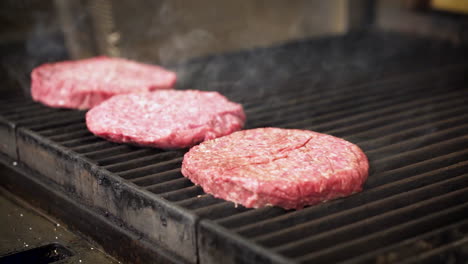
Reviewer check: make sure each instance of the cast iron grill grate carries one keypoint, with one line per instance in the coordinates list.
(415, 203)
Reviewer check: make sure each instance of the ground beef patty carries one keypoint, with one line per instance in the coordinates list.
(83, 84)
(273, 166)
(165, 119)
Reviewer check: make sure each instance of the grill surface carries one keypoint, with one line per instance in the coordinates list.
(414, 207)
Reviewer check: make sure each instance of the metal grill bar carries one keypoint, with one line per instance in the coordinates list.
(28, 115)
(434, 255)
(363, 125)
(324, 242)
(168, 186)
(411, 228)
(418, 130)
(80, 141)
(70, 120)
(251, 216)
(432, 138)
(419, 154)
(426, 242)
(158, 177)
(94, 146)
(106, 150)
(59, 116)
(351, 103)
(63, 129)
(142, 161)
(182, 194)
(396, 185)
(116, 155)
(361, 212)
(220, 210)
(410, 137)
(79, 133)
(451, 74)
(198, 201)
(428, 165)
(343, 114)
(302, 106)
(435, 117)
(409, 107)
(151, 169)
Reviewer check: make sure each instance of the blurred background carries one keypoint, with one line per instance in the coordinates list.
(175, 32)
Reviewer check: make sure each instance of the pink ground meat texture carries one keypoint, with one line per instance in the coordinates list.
(83, 84)
(272, 166)
(166, 119)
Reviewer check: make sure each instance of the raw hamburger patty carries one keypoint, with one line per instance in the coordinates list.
(165, 119)
(83, 84)
(273, 166)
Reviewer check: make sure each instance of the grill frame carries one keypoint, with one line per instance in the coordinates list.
(110, 195)
(43, 193)
(8, 138)
(122, 185)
